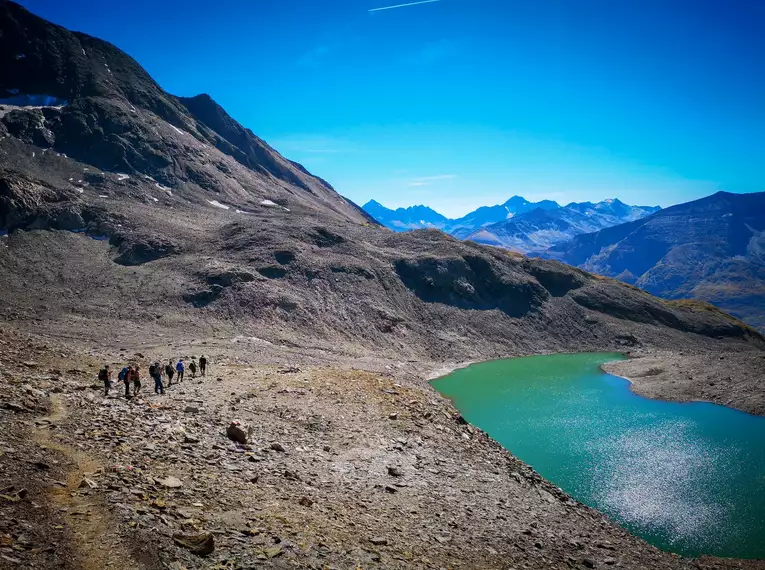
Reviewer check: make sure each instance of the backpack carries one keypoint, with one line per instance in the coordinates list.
(152, 371)
(123, 374)
(169, 370)
(103, 375)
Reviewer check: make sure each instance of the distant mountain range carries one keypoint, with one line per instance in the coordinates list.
(711, 249)
(403, 219)
(517, 224)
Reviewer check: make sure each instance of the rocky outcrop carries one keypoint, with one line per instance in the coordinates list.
(471, 282)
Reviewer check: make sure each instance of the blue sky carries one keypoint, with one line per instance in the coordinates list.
(461, 103)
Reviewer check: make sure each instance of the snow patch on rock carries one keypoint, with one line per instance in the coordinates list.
(272, 204)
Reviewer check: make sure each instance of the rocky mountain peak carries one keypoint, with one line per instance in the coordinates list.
(85, 99)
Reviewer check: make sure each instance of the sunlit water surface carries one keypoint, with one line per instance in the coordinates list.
(688, 478)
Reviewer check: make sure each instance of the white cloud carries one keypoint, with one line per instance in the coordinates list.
(427, 180)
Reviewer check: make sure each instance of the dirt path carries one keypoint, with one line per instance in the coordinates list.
(95, 547)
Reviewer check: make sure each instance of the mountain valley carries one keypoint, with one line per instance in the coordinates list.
(140, 226)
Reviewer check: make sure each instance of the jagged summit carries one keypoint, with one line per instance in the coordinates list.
(118, 119)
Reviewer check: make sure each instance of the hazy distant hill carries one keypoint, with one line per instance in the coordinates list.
(421, 217)
(402, 219)
(711, 249)
(539, 229)
(487, 215)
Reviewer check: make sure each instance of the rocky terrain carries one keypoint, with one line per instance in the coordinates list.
(710, 249)
(697, 376)
(138, 225)
(159, 482)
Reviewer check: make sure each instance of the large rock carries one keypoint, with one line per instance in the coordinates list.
(200, 544)
(236, 433)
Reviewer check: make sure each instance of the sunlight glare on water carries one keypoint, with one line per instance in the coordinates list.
(689, 478)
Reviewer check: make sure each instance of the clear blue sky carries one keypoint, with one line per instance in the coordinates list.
(460, 103)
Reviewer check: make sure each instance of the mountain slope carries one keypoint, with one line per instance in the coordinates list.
(111, 114)
(539, 229)
(176, 187)
(711, 249)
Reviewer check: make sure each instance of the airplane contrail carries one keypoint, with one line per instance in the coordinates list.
(403, 5)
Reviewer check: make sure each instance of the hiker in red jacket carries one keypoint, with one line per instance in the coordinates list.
(135, 377)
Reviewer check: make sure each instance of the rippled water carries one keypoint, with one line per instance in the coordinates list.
(689, 478)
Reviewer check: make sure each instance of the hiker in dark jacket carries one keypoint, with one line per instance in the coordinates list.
(156, 373)
(169, 372)
(125, 377)
(179, 368)
(202, 365)
(105, 376)
(193, 368)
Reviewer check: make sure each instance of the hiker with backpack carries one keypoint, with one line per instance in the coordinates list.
(193, 368)
(169, 372)
(156, 373)
(124, 375)
(202, 365)
(135, 377)
(105, 376)
(179, 368)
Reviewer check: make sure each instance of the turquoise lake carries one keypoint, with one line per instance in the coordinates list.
(687, 477)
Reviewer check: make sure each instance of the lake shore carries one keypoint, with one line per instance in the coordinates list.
(735, 379)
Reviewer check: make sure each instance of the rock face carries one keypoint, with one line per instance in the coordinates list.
(711, 249)
(127, 203)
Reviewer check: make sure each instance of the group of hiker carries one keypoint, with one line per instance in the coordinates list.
(130, 375)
